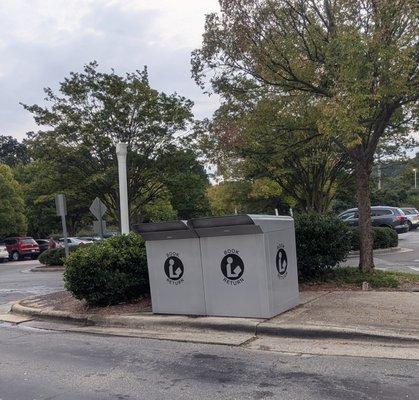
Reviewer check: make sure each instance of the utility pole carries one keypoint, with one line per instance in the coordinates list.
(415, 170)
(121, 152)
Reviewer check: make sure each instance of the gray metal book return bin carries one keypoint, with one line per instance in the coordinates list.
(249, 264)
(174, 267)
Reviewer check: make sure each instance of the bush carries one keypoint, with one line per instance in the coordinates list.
(52, 257)
(383, 238)
(322, 242)
(55, 256)
(110, 272)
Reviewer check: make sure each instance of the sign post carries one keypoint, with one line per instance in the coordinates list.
(61, 206)
(98, 209)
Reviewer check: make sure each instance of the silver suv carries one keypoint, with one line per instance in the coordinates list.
(391, 217)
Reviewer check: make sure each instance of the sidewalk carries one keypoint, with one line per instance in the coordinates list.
(351, 320)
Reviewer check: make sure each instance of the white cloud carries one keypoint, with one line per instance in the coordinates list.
(41, 41)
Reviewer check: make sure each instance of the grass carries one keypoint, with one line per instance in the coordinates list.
(376, 279)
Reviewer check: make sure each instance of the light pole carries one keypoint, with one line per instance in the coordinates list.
(415, 170)
(121, 152)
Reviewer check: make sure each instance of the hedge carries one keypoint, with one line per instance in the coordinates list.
(109, 272)
(383, 238)
(322, 242)
(54, 256)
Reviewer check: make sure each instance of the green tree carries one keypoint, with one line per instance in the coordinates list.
(12, 210)
(41, 181)
(187, 182)
(246, 196)
(91, 113)
(12, 152)
(277, 138)
(356, 60)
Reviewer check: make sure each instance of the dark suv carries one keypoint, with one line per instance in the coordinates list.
(392, 217)
(20, 247)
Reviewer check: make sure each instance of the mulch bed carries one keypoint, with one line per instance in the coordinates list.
(64, 301)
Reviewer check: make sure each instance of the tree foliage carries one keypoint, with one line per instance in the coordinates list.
(93, 111)
(12, 211)
(245, 196)
(42, 180)
(355, 61)
(12, 152)
(277, 138)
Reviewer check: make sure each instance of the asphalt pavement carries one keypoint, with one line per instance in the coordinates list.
(43, 364)
(17, 282)
(47, 365)
(406, 260)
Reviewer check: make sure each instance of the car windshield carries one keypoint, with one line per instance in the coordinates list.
(410, 211)
(28, 241)
(348, 215)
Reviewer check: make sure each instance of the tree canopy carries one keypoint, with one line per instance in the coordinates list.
(356, 62)
(12, 152)
(93, 111)
(12, 211)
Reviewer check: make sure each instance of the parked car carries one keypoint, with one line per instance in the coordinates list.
(43, 244)
(20, 247)
(412, 217)
(73, 241)
(89, 238)
(391, 217)
(4, 254)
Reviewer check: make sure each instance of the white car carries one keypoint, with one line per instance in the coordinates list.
(4, 254)
(73, 241)
(412, 216)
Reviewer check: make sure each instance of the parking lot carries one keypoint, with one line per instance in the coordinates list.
(406, 260)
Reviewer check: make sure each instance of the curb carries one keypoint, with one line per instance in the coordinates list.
(390, 250)
(47, 269)
(255, 327)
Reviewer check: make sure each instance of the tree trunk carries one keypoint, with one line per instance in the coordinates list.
(366, 260)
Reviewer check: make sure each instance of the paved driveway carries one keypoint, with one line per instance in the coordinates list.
(405, 261)
(17, 282)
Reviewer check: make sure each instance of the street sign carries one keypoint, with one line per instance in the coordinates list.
(97, 208)
(60, 205)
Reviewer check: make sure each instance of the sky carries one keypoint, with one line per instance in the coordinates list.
(41, 41)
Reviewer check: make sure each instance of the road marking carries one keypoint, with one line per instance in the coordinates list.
(414, 268)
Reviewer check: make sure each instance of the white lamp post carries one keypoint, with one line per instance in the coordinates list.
(121, 152)
(414, 170)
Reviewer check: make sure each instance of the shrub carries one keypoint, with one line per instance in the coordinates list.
(52, 257)
(109, 272)
(383, 238)
(322, 242)
(55, 256)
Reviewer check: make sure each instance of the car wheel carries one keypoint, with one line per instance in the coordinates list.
(409, 224)
(15, 256)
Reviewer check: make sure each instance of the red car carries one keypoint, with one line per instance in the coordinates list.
(20, 247)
